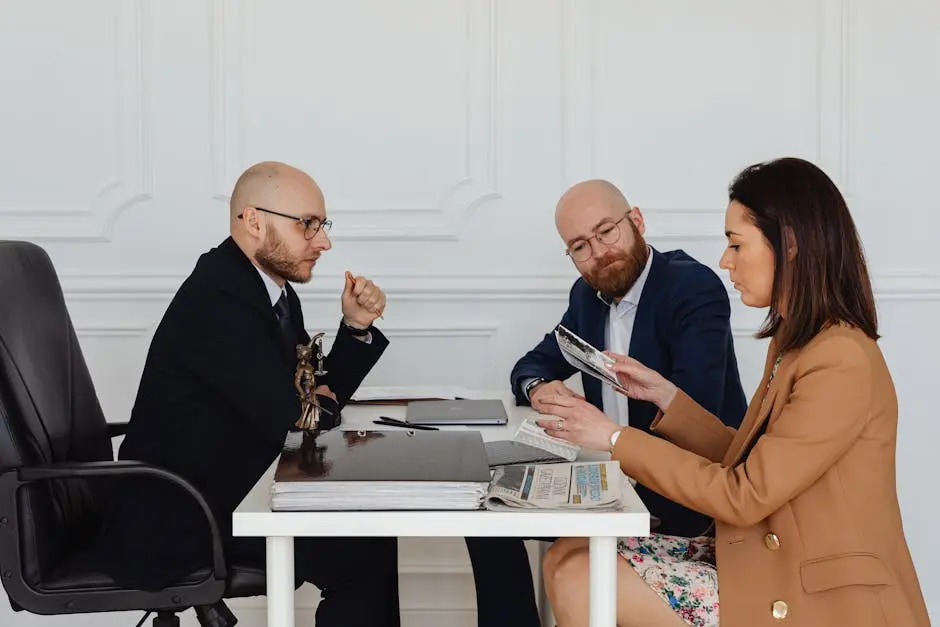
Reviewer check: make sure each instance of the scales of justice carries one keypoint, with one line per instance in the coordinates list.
(305, 382)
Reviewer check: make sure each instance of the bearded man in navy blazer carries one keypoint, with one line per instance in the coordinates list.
(667, 310)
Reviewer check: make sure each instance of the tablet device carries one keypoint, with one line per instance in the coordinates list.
(461, 411)
(506, 452)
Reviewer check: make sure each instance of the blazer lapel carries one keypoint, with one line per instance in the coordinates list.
(239, 276)
(759, 410)
(644, 335)
(645, 341)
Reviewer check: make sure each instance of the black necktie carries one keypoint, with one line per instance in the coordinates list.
(288, 337)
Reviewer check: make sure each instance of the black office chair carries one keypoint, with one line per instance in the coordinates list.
(56, 468)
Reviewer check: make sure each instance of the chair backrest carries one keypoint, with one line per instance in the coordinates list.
(49, 411)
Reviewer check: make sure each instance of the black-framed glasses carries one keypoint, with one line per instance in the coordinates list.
(311, 226)
(607, 233)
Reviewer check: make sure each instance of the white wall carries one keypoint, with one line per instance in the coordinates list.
(443, 132)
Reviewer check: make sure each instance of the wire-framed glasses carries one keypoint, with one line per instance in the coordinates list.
(311, 226)
(607, 233)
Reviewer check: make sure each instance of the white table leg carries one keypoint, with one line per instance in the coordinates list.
(280, 580)
(603, 582)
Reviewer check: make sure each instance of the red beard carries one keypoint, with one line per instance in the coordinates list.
(615, 273)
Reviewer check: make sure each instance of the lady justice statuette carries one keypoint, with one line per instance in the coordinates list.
(305, 383)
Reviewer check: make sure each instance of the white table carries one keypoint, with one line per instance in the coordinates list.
(255, 518)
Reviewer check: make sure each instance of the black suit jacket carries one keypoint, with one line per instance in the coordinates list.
(214, 405)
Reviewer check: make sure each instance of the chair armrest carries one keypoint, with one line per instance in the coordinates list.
(116, 429)
(11, 480)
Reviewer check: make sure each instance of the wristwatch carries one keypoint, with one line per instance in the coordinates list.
(355, 330)
(531, 383)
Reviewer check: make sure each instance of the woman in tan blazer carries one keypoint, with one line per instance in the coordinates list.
(807, 525)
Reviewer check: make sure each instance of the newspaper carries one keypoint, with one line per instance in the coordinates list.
(563, 486)
(585, 357)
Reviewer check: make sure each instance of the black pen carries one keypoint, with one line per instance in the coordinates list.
(395, 422)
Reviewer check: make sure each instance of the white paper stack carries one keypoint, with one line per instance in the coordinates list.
(533, 435)
(382, 470)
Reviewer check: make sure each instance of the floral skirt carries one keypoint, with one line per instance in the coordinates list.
(681, 570)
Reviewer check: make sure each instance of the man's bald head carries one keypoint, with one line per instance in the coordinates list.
(271, 184)
(593, 193)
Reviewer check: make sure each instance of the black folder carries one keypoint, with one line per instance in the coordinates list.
(386, 470)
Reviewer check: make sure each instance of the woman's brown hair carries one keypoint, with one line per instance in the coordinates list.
(826, 281)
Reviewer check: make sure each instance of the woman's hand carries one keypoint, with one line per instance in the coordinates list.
(642, 383)
(578, 422)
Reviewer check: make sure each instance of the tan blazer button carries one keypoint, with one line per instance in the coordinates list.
(772, 541)
(780, 609)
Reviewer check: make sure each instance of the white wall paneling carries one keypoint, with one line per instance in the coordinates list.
(450, 170)
(442, 133)
(85, 151)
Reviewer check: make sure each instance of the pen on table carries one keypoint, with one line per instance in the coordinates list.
(395, 422)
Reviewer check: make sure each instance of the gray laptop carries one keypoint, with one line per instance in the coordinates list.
(457, 412)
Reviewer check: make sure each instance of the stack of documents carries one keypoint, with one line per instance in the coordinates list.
(406, 393)
(381, 470)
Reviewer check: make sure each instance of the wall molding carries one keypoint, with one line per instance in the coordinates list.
(898, 285)
(132, 181)
(124, 329)
(578, 130)
(478, 183)
(116, 329)
(835, 112)
(836, 91)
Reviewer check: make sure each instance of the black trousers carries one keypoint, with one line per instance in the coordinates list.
(357, 577)
(503, 578)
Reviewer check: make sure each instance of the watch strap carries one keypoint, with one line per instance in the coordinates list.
(355, 330)
(530, 384)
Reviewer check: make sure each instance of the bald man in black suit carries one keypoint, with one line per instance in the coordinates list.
(217, 399)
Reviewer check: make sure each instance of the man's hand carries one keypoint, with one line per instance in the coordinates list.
(363, 301)
(330, 416)
(540, 392)
(324, 390)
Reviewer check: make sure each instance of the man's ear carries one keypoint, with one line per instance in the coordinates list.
(252, 219)
(637, 217)
(789, 239)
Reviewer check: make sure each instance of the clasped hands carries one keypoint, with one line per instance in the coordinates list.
(579, 422)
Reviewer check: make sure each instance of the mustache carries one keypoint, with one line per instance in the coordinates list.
(609, 259)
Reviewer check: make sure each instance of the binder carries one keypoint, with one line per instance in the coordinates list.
(381, 470)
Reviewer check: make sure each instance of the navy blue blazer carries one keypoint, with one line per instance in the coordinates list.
(682, 330)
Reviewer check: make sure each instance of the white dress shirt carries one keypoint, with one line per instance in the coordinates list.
(274, 290)
(617, 336)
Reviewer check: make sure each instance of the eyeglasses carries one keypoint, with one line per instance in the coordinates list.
(607, 233)
(311, 226)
